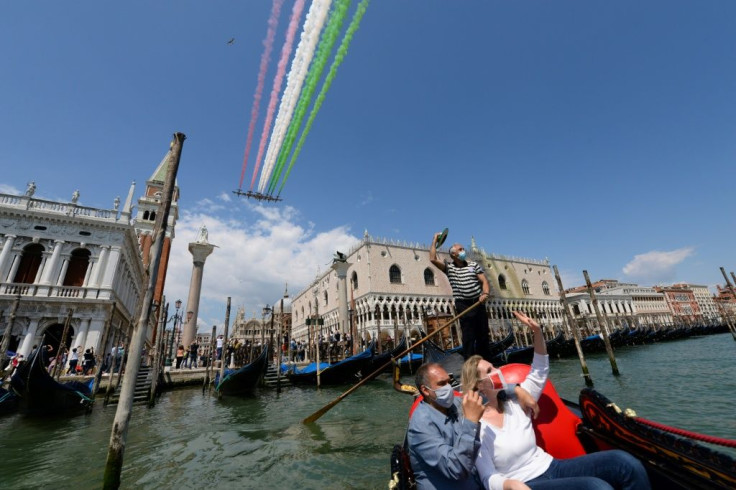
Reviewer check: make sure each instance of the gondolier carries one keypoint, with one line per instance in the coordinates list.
(469, 285)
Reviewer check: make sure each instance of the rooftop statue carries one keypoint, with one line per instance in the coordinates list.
(31, 188)
(75, 196)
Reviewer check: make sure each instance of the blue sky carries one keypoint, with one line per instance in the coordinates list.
(600, 135)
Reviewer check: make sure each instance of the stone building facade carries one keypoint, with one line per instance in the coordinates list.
(58, 256)
(393, 288)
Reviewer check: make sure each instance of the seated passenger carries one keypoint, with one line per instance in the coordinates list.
(443, 431)
(509, 458)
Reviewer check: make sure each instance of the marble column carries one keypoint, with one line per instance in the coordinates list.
(98, 273)
(5, 254)
(29, 339)
(52, 264)
(110, 267)
(341, 268)
(200, 250)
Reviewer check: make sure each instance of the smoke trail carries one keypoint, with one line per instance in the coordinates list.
(273, 21)
(339, 57)
(324, 49)
(296, 14)
(313, 24)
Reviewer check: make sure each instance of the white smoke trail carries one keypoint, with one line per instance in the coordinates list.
(313, 25)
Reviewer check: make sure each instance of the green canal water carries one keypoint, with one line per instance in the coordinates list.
(193, 441)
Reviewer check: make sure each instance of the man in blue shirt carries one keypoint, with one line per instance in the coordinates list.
(443, 433)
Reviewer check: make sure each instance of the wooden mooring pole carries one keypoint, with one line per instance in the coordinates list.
(119, 434)
(281, 350)
(603, 324)
(573, 327)
(731, 327)
(210, 360)
(62, 345)
(225, 344)
(163, 314)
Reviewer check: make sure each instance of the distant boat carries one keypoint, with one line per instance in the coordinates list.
(243, 381)
(40, 394)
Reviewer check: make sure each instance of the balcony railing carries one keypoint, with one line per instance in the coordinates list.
(42, 291)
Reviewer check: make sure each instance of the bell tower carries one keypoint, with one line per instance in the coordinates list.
(148, 208)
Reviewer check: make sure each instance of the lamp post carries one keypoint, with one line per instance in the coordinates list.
(266, 310)
(177, 322)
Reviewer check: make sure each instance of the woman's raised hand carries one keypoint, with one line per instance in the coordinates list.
(526, 320)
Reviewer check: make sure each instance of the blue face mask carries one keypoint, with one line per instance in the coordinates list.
(445, 396)
(462, 255)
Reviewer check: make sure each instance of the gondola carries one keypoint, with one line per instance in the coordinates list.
(674, 458)
(496, 348)
(378, 360)
(452, 362)
(40, 394)
(243, 381)
(521, 355)
(345, 371)
(8, 402)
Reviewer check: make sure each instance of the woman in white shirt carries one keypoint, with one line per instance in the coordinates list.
(509, 458)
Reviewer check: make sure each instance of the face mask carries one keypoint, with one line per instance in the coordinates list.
(445, 396)
(462, 255)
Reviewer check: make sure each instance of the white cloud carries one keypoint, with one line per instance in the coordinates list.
(657, 266)
(260, 248)
(224, 196)
(9, 189)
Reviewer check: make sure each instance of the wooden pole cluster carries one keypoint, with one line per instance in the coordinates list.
(62, 345)
(116, 450)
(108, 332)
(603, 323)
(224, 344)
(573, 328)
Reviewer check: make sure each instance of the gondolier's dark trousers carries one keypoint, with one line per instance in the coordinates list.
(474, 327)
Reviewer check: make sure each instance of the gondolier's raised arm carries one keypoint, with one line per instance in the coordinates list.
(433, 253)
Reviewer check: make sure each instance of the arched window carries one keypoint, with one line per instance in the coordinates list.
(428, 277)
(525, 286)
(354, 280)
(545, 288)
(145, 215)
(394, 274)
(501, 281)
(153, 216)
(77, 269)
(326, 298)
(30, 261)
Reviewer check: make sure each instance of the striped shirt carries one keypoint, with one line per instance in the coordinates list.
(464, 280)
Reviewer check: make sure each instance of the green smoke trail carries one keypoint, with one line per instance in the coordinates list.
(329, 37)
(339, 57)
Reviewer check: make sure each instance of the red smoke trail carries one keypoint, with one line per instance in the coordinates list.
(273, 21)
(296, 14)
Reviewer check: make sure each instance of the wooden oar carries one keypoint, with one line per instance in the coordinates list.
(316, 415)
